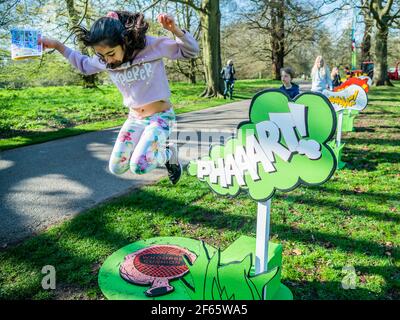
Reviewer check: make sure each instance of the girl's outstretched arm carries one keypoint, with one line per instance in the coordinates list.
(184, 47)
(85, 64)
(49, 43)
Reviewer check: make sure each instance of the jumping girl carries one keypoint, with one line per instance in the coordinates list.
(134, 62)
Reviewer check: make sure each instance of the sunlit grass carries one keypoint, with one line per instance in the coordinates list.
(40, 114)
(351, 221)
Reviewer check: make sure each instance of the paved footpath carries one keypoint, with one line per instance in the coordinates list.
(44, 184)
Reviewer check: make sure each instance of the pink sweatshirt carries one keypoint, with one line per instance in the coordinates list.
(145, 80)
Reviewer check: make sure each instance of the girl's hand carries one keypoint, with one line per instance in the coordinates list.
(168, 23)
(49, 43)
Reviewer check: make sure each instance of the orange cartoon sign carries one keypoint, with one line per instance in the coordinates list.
(363, 83)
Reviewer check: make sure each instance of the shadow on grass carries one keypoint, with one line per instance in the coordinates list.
(32, 134)
(249, 96)
(10, 133)
(61, 247)
(391, 274)
(379, 99)
(365, 142)
(372, 196)
(351, 210)
(389, 127)
(380, 113)
(363, 129)
(54, 122)
(35, 137)
(329, 240)
(332, 290)
(365, 160)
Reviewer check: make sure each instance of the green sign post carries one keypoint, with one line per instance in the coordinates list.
(351, 98)
(348, 120)
(282, 146)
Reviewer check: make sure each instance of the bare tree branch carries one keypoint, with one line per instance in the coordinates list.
(189, 3)
(155, 2)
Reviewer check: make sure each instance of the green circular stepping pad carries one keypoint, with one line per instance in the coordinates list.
(215, 275)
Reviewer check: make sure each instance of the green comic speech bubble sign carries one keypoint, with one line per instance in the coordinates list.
(283, 145)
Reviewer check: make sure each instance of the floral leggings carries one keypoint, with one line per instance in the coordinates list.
(140, 145)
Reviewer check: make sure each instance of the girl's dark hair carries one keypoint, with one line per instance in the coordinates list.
(129, 31)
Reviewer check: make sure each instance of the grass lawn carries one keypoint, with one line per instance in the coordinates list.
(35, 115)
(351, 221)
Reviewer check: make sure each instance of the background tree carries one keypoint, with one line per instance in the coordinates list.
(210, 22)
(6, 8)
(245, 46)
(393, 48)
(187, 19)
(286, 24)
(368, 30)
(89, 81)
(386, 15)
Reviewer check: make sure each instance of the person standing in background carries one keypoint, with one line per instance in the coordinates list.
(290, 88)
(335, 76)
(347, 72)
(320, 75)
(228, 74)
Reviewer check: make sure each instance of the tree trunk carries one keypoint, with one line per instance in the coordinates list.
(381, 51)
(366, 44)
(277, 38)
(192, 62)
(278, 57)
(210, 19)
(89, 81)
(192, 71)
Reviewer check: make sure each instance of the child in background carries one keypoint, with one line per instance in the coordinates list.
(321, 76)
(347, 72)
(288, 86)
(134, 62)
(335, 76)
